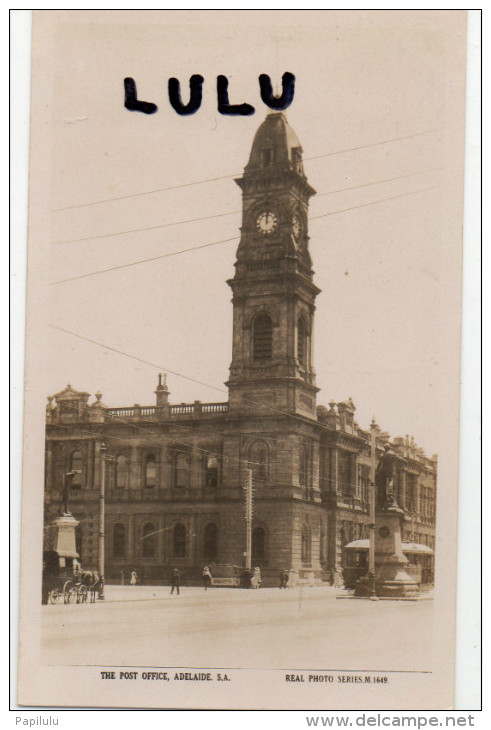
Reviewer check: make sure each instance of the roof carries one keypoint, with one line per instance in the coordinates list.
(276, 133)
(69, 393)
(407, 547)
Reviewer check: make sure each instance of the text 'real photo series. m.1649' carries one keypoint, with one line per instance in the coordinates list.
(269, 480)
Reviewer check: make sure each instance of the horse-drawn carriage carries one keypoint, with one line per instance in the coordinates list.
(65, 581)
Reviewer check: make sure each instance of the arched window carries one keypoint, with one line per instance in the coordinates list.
(79, 543)
(76, 465)
(267, 156)
(258, 545)
(179, 541)
(302, 342)
(181, 470)
(150, 471)
(262, 348)
(210, 541)
(259, 462)
(119, 540)
(306, 543)
(303, 465)
(211, 471)
(120, 470)
(149, 548)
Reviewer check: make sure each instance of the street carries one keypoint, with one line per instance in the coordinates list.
(304, 628)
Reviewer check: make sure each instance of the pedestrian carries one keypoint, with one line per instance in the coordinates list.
(337, 580)
(282, 579)
(286, 577)
(134, 578)
(206, 577)
(174, 581)
(256, 578)
(122, 577)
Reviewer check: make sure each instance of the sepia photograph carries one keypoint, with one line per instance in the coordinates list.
(241, 430)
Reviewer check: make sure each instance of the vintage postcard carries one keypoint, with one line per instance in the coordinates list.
(242, 361)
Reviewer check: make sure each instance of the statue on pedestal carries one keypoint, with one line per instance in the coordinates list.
(384, 479)
(66, 491)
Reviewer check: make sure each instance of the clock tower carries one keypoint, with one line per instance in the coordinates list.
(273, 289)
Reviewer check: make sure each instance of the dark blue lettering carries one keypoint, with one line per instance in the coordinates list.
(224, 107)
(196, 93)
(131, 101)
(288, 90)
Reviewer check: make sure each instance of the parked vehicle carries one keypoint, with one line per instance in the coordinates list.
(226, 575)
(355, 562)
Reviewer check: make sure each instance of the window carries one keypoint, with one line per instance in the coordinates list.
(79, 541)
(263, 338)
(149, 541)
(345, 477)
(181, 470)
(210, 542)
(258, 545)
(120, 472)
(76, 465)
(150, 471)
(259, 462)
(411, 492)
(119, 540)
(179, 541)
(211, 472)
(305, 547)
(297, 159)
(267, 156)
(303, 465)
(302, 343)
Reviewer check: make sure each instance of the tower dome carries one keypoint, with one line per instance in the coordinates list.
(275, 143)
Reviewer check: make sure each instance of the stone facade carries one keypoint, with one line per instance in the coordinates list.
(175, 481)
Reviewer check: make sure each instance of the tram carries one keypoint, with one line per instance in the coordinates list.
(355, 562)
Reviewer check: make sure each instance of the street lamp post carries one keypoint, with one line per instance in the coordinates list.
(371, 544)
(102, 516)
(248, 518)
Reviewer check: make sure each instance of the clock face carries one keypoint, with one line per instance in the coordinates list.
(296, 225)
(267, 222)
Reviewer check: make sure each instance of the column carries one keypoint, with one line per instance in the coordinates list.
(134, 468)
(335, 470)
(131, 538)
(192, 538)
(402, 487)
(161, 540)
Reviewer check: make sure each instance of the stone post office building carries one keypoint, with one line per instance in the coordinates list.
(175, 488)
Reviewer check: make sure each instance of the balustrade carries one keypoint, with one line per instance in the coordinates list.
(183, 409)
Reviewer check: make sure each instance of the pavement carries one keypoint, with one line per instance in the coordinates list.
(230, 627)
(147, 593)
(117, 593)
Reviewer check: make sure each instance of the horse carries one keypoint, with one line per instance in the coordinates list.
(93, 582)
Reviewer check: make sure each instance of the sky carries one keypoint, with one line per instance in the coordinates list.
(377, 109)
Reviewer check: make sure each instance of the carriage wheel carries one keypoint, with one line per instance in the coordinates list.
(54, 596)
(69, 592)
(82, 594)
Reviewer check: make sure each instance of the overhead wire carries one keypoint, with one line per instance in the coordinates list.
(226, 240)
(233, 212)
(236, 174)
(177, 442)
(269, 407)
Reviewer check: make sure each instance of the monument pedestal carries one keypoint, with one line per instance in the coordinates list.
(391, 578)
(65, 526)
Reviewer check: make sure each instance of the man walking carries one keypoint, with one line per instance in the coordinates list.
(175, 581)
(206, 577)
